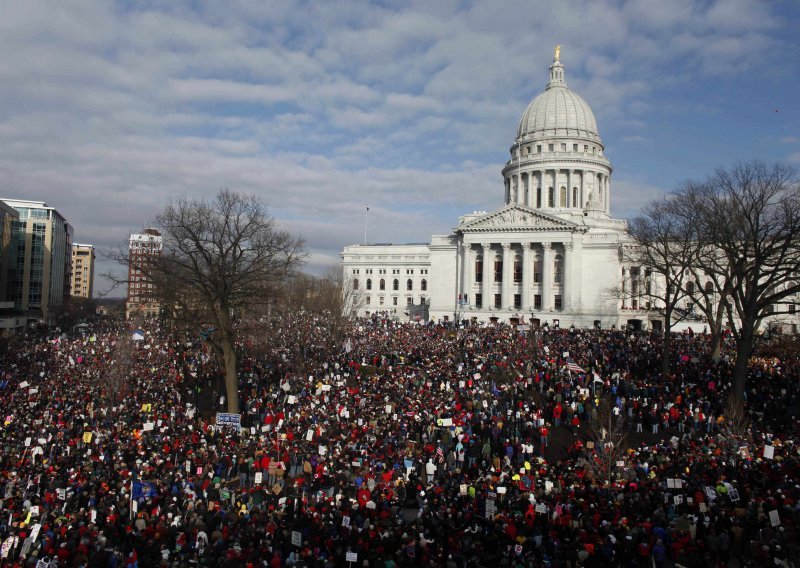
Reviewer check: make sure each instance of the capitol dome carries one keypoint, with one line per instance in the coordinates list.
(558, 112)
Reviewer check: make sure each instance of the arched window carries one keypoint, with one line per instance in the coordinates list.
(423, 286)
(355, 283)
(563, 200)
(690, 287)
(396, 284)
(382, 285)
(551, 197)
(709, 287)
(558, 269)
(369, 283)
(409, 284)
(575, 197)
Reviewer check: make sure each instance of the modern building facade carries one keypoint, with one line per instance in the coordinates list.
(552, 253)
(82, 283)
(141, 247)
(40, 259)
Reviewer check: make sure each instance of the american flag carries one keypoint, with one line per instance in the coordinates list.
(574, 367)
(439, 454)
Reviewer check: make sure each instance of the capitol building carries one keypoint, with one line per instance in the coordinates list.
(551, 254)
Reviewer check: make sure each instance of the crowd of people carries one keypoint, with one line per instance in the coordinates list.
(413, 444)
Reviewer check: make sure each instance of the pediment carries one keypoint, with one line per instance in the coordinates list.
(515, 218)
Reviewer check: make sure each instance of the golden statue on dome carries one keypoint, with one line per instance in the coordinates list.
(557, 51)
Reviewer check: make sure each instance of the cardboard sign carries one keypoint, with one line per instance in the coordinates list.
(87, 437)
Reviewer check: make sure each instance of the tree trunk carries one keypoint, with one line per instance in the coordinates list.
(716, 345)
(231, 374)
(666, 343)
(744, 347)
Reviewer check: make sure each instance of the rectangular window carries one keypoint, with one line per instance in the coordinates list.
(551, 147)
(557, 301)
(408, 300)
(394, 301)
(563, 146)
(574, 147)
(517, 301)
(479, 300)
(517, 270)
(537, 301)
(792, 308)
(538, 148)
(368, 299)
(498, 270)
(479, 270)
(498, 301)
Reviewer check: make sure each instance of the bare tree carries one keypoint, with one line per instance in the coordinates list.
(665, 244)
(605, 445)
(219, 259)
(748, 215)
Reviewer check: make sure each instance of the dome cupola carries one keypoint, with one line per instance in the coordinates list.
(558, 111)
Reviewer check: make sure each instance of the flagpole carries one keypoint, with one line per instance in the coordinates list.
(366, 214)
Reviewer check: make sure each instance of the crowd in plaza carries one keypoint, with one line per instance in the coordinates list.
(412, 445)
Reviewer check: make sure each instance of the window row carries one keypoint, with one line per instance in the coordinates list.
(497, 302)
(395, 300)
(423, 285)
(497, 276)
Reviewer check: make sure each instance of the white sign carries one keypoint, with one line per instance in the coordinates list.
(351, 557)
(769, 452)
(229, 420)
(258, 478)
(147, 426)
(297, 538)
(774, 518)
(345, 521)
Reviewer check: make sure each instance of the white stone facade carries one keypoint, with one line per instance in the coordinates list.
(551, 253)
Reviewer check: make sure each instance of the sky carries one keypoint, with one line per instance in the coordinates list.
(322, 109)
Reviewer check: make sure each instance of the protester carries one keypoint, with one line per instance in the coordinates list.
(414, 445)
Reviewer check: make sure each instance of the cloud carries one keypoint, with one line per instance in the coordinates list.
(107, 109)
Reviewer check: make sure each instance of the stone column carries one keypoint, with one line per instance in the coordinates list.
(527, 276)
(608, 194)
(625, 285)
(488, 269)
(576, 274)
(566, 277)
(508, 276)
(570, 202)
(541, 188)
(467, 269)
(547, 277)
